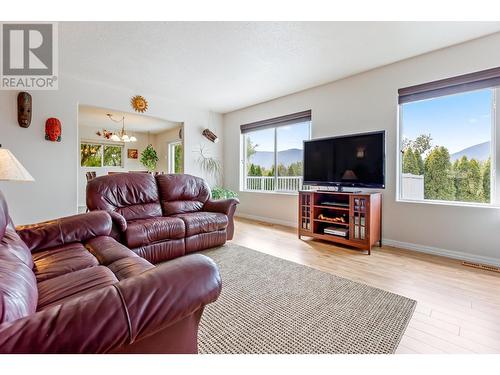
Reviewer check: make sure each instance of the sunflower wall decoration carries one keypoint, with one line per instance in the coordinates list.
(139, 104)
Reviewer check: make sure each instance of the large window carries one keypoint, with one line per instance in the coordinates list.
(100, 155)
(447, 145)
(273, 153)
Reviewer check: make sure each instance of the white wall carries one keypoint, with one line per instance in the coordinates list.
(160, 143)
(55, 165)
(366, 102)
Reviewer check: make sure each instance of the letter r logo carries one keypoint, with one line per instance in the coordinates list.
(27, 49)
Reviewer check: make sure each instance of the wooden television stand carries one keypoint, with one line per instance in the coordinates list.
(356, 214)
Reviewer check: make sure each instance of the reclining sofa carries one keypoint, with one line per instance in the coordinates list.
(66, 286)
(162, 217)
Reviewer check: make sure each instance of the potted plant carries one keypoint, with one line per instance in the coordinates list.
(149, 158)
(210, 166)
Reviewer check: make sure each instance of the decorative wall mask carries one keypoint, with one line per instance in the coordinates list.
(53, 130)
(210, 136)
(139, 104)
(24, 104)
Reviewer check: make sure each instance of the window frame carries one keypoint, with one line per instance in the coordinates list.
(171, 156)
(101, 153)
(244, 164)
(494, 141)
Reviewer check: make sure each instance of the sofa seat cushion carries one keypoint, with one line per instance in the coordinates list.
(162, 251)
(59, 289)
(62, 260)
(146, 231)
(203, 222)
(129, 267)
(204, 241)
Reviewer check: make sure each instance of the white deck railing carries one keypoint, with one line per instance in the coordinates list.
(266, 183)
(412, 187)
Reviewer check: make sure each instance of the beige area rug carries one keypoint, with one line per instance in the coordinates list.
(271, 305)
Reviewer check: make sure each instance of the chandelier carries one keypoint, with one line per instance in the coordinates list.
(122, 135)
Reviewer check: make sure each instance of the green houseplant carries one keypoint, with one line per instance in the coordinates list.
(149, 158)
(219, 192)
(212, 167)
(208, 164)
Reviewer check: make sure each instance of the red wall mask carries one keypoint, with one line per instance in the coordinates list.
(53, 130)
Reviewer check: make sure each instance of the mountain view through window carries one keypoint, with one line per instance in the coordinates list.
(274, 157)
(446, 148)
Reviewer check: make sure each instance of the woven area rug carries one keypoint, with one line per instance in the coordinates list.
(271, 305)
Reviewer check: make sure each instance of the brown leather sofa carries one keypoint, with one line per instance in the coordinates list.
(162, 217)
(67, 287)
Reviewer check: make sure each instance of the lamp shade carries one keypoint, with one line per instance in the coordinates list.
(11, 169)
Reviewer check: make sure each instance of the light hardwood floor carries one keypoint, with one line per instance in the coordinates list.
(458, 308)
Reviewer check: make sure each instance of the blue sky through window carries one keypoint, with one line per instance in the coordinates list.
(291, 136)
(455, 121)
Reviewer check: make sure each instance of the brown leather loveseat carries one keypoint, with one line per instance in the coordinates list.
(66, 286)
(162, 217)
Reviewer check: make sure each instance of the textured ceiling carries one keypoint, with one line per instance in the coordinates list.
(225, 66)
(96, 117)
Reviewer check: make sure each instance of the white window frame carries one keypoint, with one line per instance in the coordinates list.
(243, 154)
(171, 155)
(495, 156)
(102, 144)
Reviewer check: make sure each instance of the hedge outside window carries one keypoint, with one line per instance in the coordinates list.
(446, 147)
(101, 155)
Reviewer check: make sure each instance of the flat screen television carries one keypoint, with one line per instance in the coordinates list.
(356, 160)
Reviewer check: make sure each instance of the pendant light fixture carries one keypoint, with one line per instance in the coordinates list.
(122, 135)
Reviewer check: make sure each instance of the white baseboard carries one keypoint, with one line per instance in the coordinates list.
(403, 245)
(442, 252)
(267, 219)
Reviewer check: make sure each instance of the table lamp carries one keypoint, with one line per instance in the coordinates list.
(11, 169)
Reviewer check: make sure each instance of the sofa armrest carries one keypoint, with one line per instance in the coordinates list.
(187, 284)
(77, 228)
(110, 318)
(224, 206)
(119, 221)
(93, 323)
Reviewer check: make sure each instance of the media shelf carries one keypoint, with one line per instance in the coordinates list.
(354, 217)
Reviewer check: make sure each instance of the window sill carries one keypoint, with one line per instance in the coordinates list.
(448, 203)
(103, 167)
(292, 193)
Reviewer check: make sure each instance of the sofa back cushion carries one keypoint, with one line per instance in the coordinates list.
(182, 193)
(18, 289)
(60, 232)
(132, 195)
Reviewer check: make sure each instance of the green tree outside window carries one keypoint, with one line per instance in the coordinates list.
(90, 155)
(438, 181)
(486, 181)
(112, 156)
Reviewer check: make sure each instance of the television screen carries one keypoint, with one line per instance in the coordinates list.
(353, 160)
